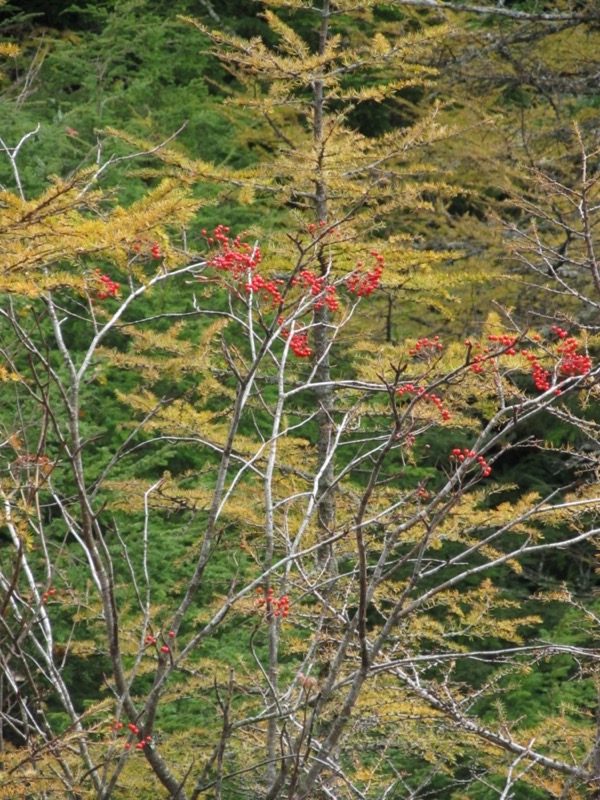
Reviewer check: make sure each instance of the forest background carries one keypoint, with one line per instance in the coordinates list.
(299, 419)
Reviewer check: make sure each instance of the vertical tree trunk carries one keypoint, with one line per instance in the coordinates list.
(595, 794)
(322, 339)
(388, 318)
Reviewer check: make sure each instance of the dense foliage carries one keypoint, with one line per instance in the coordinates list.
(299, 431)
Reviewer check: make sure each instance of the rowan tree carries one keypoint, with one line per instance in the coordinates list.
(237, 555)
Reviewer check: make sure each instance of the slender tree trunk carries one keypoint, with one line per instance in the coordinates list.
(596, 752)
(322, 339)
(388, 318)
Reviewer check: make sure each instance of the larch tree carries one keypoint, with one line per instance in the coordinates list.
(340, 185)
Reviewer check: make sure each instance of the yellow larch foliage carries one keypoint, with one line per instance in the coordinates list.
(50, 241)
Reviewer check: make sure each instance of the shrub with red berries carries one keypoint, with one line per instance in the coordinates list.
(571, 362)
(235, 255)
(466, 455)
(361, 283)
(107, 287)
(428, 397)
(426, 347)
(278, 607)
(240, 260)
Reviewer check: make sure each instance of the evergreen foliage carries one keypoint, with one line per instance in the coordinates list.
(268, 525)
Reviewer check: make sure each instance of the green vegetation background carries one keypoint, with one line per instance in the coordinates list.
(133, 66)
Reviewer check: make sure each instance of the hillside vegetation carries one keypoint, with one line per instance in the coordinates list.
(299, 428)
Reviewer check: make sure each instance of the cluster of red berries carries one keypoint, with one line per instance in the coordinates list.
(477, 364)
(363, 284)
(150, 639)
(558, 331)
(142, 743)
(572, 362)
(108, 287)
(236, 256)
(154, 248)
(317, 285)
(463, 455)
(280, 607)
(541, 376)
(269, 288)
(50, 593)
(330, 299)
(423, 394)
(117, 725)
(423, 493)
(298, 344)
(408, 388)
(479, 359)
(504, 340)
(426, 346)
(313, 227)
